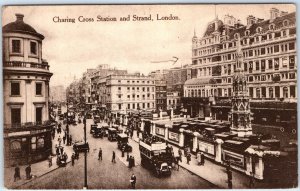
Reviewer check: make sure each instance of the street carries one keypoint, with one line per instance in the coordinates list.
(107, 175)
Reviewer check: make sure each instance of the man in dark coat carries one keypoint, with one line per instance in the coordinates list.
(28, 171)
(64, 139)
(113, 157)
(133, 181)
(202, 159)
(17, 173)
(100, 154)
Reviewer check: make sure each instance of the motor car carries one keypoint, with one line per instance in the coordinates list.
(98, 132)
(81, 146)
(112, 134)
(123, 142)
(93, 127)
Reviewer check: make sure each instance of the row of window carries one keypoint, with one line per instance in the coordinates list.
(21, 144)
(137, 81)
(261, 92)
(137, 106)
(16, 116)
(15, 89)
(133, 96)
(266, 50)
(138, 89)
(16, 45)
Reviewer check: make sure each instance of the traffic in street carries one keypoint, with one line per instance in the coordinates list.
(105, 174)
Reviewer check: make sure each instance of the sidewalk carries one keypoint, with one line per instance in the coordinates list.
(37, 169)
(214, 173)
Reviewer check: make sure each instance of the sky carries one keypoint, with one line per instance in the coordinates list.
(71, 48)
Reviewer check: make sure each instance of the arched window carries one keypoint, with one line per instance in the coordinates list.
(203, 93)
(258, 29)
(199, 93)
(285, 23)
(271, 26)
(247, 33)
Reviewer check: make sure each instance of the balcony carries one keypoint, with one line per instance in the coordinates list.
(28, 125)
(31, 65)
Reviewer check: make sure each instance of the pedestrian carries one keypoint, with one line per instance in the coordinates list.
(17, 173)
(177, 162)
(64, 139)
(100, 154)
(199, 158)
(70, 140)
(133, 181)
(50, 160)
(28, 172)
(130, 162)
(188, 158)
(202, 158)
(59, 140)
(73, 159)
(123, 151)
(57, 150)
(180, 154)
(61, 150)
(113, 157)
(133, 161)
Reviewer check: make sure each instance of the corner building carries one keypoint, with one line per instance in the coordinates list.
(26, 76)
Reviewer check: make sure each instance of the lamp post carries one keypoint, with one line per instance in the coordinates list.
(85, 155)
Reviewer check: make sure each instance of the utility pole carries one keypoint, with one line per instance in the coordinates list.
(85, 155)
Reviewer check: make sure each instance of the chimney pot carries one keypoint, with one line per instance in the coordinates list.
(19, 17)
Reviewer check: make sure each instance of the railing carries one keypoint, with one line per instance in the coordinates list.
(18, 64)
(28, 124)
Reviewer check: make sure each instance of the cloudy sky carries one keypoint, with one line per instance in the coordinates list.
(71, 48)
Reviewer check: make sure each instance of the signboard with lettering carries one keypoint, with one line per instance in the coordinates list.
(160, 131)
(207, 147)
(173, 136)
(18, 133)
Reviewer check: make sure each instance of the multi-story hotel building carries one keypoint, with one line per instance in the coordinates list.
(26, 76)
(126, 92)
(269, 51)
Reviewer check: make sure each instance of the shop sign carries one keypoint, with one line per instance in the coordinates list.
(38, 131)
(174, 136)
(18, 133)
(207, 148)
(160, 131)
(234, 158)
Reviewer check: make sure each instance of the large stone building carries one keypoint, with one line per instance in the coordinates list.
(126, 93)
(26, 76)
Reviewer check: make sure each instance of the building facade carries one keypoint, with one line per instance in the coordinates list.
(173, 100)
(269, 51)
(26, 76)
(127, 93)
(269, 62)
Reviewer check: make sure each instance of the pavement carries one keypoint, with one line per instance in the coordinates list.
(37, 169)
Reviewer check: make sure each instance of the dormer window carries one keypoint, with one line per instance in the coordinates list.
(271, 26)
(285, 23)
(236, 35)
(258, 29)
(247, 33)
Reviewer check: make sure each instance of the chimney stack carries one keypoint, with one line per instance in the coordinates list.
(19, 17)
(274, 12)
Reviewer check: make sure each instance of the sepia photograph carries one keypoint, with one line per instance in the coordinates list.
(150, 96)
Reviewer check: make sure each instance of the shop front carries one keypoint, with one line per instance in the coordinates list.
(27, 146)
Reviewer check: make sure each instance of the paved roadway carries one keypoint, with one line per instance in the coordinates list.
(107, 175)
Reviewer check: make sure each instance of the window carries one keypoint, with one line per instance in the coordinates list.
(257, 65)
(38, 88)
(119, 81)
(119, 88)
(270, 64)
(263, 51)
(119, 96)
(271, 93)
(120, 106)
(33, 48)
(15, 89)
(128, 88)
(128, 96)
(40, 143)
(292, 46)
(276, 48)
(15, 116)
(15, 146)
(16, 46)
(38, 114)
(128, 106)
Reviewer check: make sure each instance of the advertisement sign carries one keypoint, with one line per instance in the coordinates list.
(207, 147)
(174, 136)
(160, 131)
